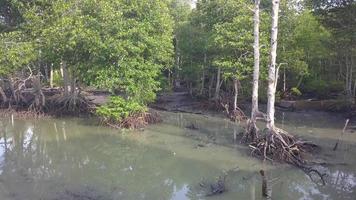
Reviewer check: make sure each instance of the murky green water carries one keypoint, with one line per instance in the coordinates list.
(76, 160)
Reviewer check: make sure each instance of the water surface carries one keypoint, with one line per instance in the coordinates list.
(75, 159)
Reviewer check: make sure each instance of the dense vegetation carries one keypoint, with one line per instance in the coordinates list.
(216, 45)
(137, 48)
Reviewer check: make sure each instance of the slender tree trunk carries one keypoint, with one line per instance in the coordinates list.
(169, 78)
(217, 88)
(351, 75)
(72, 83)
(272, 68)
(3, 95)
(203, 77)
(354, 93)
(346, 75)
(202, 83)
(256, 68)
(177, 67)
(211, 85)
(284, 80)
(51, 76)
(46, 71)
(236, 92)
(65, 76)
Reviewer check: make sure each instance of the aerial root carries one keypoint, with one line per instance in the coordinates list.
(135, 121)
(279, 145)
(70, 104)
(237, 115)
(251, 132)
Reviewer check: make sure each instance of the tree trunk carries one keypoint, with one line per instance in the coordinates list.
(211, 85)
(351, 75)
(236, 92)
(284, 80)
(203, 77)
(46, 71)
(272, 68)
(354, 93)
(73, 83)
(3, 95)
(51, 76)
(177, 66)
(217, 88)
(65, 76)
(256, 68)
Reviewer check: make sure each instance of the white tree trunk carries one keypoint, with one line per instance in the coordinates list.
(65, 76)
(51, 76)
(272, 68)
(217, 88)
(256, 68)
(236, 90)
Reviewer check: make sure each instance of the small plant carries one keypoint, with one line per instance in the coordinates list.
(118, 109)
(295, 91)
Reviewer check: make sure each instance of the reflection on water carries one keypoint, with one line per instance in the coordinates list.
(74, 159)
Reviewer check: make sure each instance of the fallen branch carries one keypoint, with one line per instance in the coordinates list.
(342, 133)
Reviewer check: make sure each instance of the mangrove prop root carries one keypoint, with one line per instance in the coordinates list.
(237, 115)
(70, 104)
(279, 145)
(135, 121)
(251, 132)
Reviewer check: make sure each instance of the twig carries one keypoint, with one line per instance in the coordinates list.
(342, 133)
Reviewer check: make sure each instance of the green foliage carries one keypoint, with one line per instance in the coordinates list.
(118, 109)
(117, 45)
(234, 40)
(219, 34)
(322, 88)
(15, 53)
(317, 87)
(57, 78)
(295, 91)
(303, 42)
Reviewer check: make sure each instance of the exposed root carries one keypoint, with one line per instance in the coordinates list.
(251, 133)
(314, 175)
(237, 115)
(135, 121)
(39, 99)
(73, 103)
(279, 145)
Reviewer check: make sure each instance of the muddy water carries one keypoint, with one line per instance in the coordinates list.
(74, 159)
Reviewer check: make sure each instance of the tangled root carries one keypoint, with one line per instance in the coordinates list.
(237, 115)
(135, 121)
(70, 104)
(277, 144)
(251, 133)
